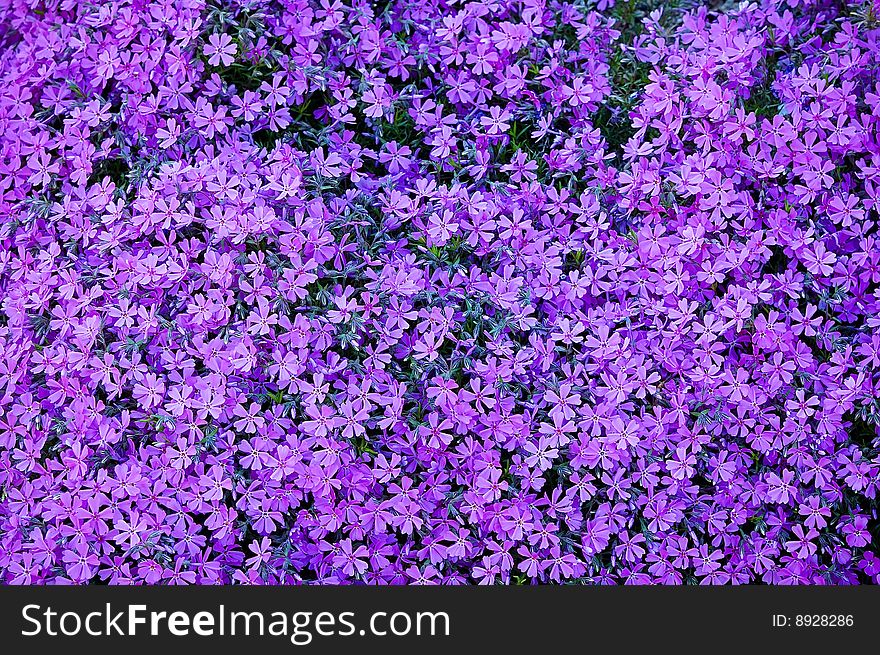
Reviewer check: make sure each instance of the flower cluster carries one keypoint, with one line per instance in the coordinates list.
(439, 291)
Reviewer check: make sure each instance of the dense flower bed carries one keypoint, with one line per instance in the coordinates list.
(439, 291)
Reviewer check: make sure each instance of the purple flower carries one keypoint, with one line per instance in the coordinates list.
(510, 293)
